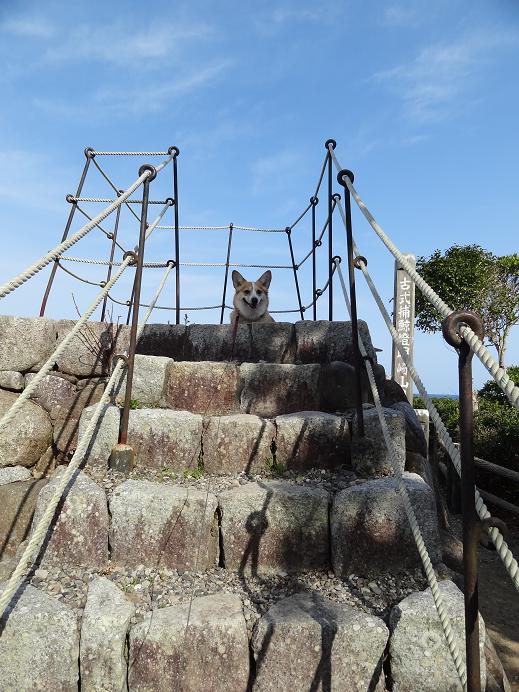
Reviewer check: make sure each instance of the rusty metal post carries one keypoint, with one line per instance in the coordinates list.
(112, 254)
(224, 295)
(357, 357)
(288, 231)
(89, 153)
(471, 529)
(176, 151)
(123, 430)
(314, 201)
(327, 144)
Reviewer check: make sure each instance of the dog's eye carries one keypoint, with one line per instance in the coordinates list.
(259, 293)
(247, 292)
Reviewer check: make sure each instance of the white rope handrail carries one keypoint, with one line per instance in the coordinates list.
(31, 271)
(224, 228)
(34, 543)
(107, 200)
(106, 263)
(130, 153)
(476, 345)
(234, 264)
(506, 555)
(415, 528)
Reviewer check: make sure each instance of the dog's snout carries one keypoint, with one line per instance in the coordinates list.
(254, 302)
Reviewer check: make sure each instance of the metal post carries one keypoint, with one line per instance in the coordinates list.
(330, 143)
(288, 231)
(357, 358)
(89, 153)
(112, 253)
(123, 430)
(471, 530)
(224, 296)
(176, 151)
(314, 201)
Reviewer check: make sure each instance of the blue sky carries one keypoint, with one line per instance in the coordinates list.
(421, 97)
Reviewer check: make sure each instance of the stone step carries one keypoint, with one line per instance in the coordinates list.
(264, 389)
(263, 526)
(271, 342)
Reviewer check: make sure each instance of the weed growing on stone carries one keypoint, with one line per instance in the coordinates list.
(166, 473)
(134, 404)
(273, 468)
(194, 473)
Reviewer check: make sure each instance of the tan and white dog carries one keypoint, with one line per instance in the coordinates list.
(251, 299)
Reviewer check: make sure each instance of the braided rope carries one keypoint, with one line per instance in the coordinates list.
(127, 303)
(224, 228)
(31, 271)
(34, 544)
(129, 153)
(415, 528)
(107, 200)
(49, 364)
(79, 278)
(86, 260)
(506, 555)
(232, 264)
(476, 345)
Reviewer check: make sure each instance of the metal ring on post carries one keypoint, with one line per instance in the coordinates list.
(170, 263)
(336, 196)
(70, 199)
(170, 200)
(288, 230)
(330, 143)
(131, 253)
(109, 236)
(318, 292)
(120, 356)
(90, 153)
(452, 323)
(318, 243)
(314, 201)
(358, 259)
(150, 168)
(174, 151)
(337, 259)
(342, 173)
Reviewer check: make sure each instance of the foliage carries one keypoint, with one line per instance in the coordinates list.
(449, 411)
(134, 404)
(196, 473)
(492, 392)
(469, 277)
(273, 468)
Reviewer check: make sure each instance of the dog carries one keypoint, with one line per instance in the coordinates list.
(251, 299)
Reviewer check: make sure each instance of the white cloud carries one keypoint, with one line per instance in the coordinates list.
(400, 16)
(437, 82)
(29, 26)
(270, 172)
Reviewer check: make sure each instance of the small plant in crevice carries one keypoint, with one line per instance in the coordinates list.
(166, 473)
(195, 473)
(135, 404)
(274, 468)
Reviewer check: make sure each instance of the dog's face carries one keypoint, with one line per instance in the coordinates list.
(251, 297)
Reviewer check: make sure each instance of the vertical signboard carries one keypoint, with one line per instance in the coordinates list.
(403, 319)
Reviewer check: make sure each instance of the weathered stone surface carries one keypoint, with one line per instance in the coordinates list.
(369, 455)
(414, 435)
(163, 525)
(46, 464)
(9, 474)
(423, 418)
(39, 646)
(419, 656)
(79, 535)
(391, 392)
(26, 342)
(274, 526)
(149, 378)
(213, 656)
(91, 351)
(324, 342)
(166, 340)
(17, 503)
(237, 443)
(337, 384)
(370, 530)
(497, 679)
(416, 463)
(308, 642)
(12, 380)
(213, 342)
(205, 387)
(312, 439)
(270, 390)
(105, 436)
(67, 416)
(27, 436)
(273, 342)
(106, 620)
(52, 391)
(161, 438)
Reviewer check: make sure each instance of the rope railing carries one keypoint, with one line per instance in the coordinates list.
(108, 234)
(107, 263)
(107, 200)
(54, 254)
(499, 374)
(224, 228)
(411, 516)
(506, 555)
(39, 532)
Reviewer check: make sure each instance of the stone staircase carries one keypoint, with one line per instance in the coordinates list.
(257, 544)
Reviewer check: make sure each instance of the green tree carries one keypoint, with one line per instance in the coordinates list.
(469, 277)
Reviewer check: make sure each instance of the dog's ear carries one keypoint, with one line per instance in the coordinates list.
(237, 279)
(265, 278)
